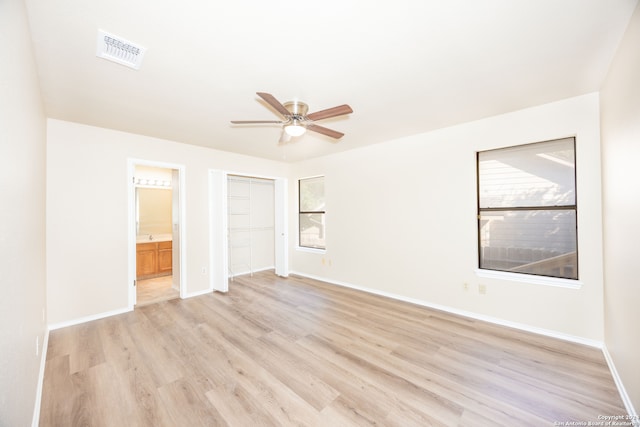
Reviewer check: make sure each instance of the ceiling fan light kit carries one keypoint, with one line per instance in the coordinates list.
(296, 120)
(295, 129)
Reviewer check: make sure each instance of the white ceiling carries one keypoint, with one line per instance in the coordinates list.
(404, 66)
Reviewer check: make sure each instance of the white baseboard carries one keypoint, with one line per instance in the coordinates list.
(43, 359)
(469, 314)
(623, 392)
(80, 320)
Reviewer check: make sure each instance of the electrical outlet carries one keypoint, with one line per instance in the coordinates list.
(465, 286)
(482, 289)
(204, 271)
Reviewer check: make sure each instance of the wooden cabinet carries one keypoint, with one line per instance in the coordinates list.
(164, 257)
(146, 259)
(153, 259)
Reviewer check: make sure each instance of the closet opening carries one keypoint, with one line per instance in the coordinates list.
(248, 217)
(251, 222)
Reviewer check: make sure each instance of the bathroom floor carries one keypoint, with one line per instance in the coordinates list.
(154, 290)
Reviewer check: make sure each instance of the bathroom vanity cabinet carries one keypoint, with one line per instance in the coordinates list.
(153, 259)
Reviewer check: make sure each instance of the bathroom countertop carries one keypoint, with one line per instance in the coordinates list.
(155, 238)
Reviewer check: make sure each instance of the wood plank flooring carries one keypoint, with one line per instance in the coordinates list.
(298, 352)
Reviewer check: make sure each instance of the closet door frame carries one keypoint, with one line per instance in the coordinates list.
(218, 227)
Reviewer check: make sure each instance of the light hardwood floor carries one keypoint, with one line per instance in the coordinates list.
(295, 351)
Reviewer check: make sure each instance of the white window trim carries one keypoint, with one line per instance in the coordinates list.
(529, 278)
(310, 250)
(523, 277)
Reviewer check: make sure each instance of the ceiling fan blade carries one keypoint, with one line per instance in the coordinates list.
(330, 112)
(271, 100)
(248, 122)
(325, 131)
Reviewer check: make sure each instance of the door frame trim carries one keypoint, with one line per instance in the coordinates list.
(131, 214)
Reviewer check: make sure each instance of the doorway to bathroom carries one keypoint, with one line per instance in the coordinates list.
(155, 236)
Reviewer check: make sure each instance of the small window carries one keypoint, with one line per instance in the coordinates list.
(527, 213)
(311, 213)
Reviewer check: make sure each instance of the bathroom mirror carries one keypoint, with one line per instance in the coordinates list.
(154, 211)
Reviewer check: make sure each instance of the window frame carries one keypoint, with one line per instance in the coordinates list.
(316, 212)
(568, 282)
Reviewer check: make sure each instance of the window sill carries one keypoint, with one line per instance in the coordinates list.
(529, 278)
(311, 250)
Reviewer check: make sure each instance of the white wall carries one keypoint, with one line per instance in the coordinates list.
(87, 185)
(401, 219)
(22, 219)
(621, 204)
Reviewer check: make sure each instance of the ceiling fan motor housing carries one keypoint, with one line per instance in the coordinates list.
(298, 109)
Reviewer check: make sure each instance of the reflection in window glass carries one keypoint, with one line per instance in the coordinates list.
(311, 222)
(312, 230)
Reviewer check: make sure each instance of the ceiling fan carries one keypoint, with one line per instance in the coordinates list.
(296, 120)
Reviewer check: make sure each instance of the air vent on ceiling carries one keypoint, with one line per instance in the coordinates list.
(119, 50)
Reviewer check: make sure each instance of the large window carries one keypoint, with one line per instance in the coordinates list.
(527, 215)
(311, 212)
